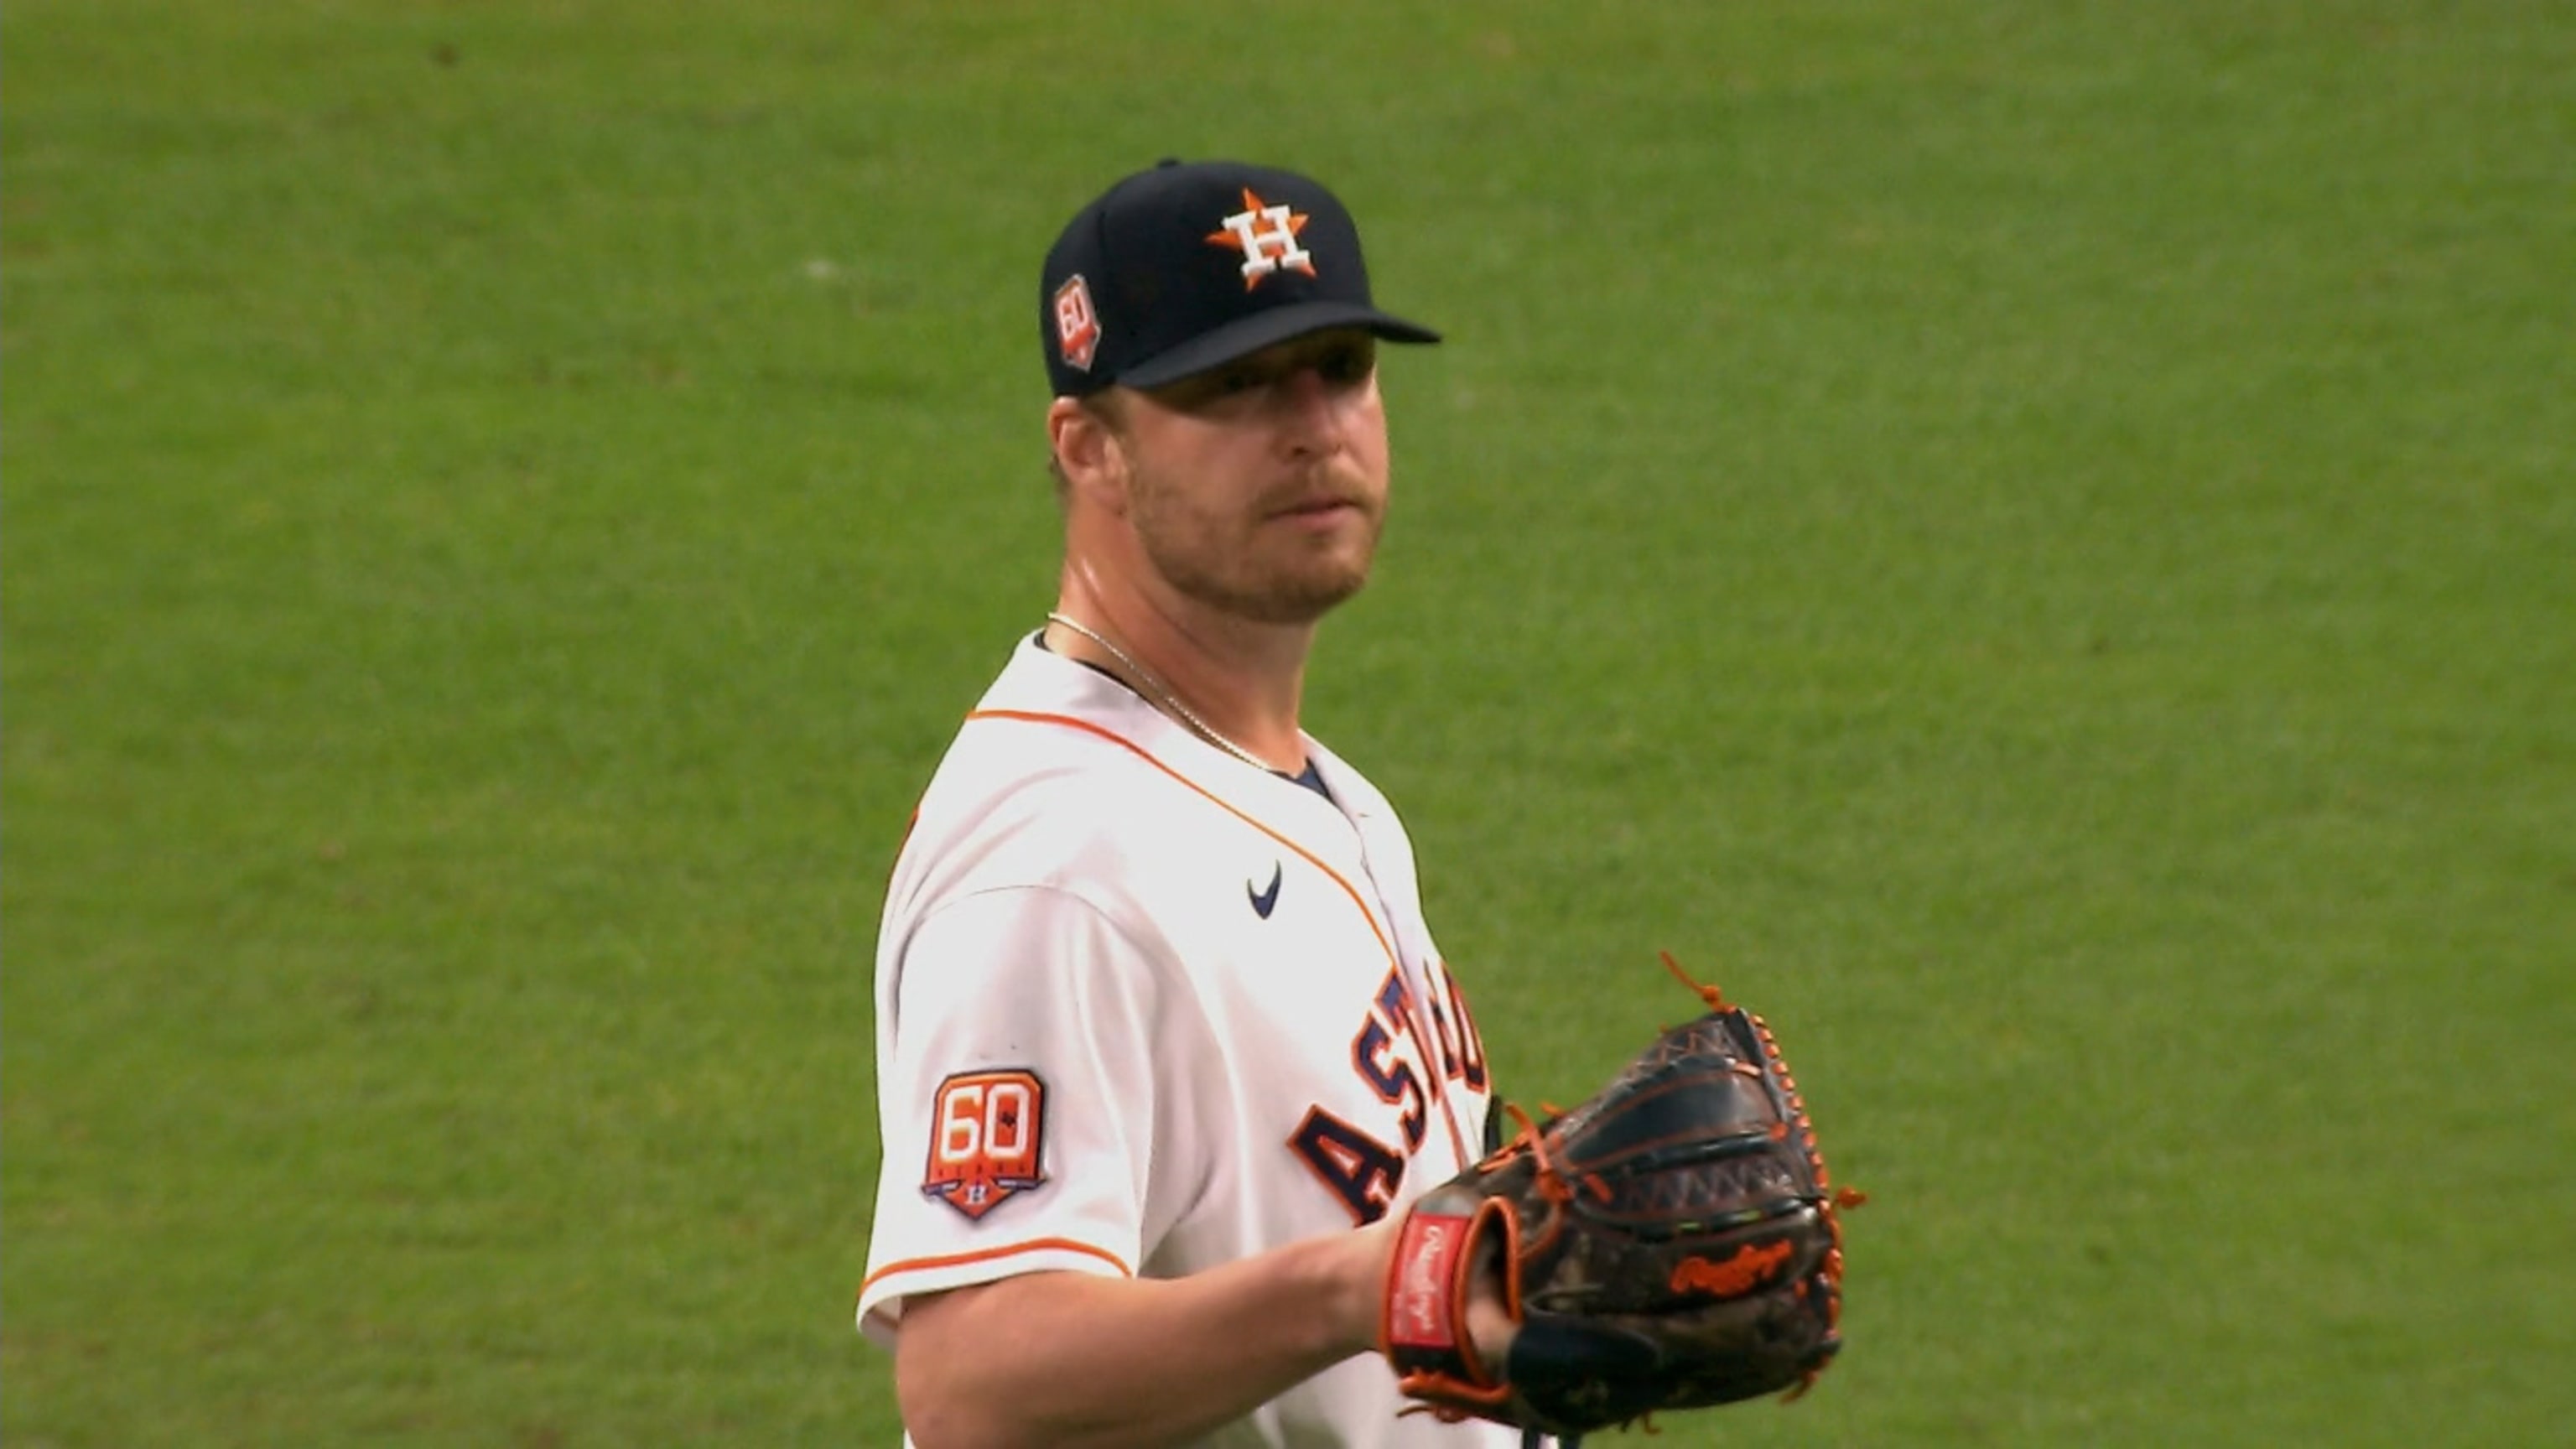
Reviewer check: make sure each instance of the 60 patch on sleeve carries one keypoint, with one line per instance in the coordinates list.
(985, 1134)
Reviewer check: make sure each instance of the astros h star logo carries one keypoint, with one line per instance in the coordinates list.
(1267, 236)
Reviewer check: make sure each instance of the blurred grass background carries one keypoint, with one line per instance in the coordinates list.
(2030, 541)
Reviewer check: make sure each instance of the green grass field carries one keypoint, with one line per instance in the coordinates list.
(2036, 543)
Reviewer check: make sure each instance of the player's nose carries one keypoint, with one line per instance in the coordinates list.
(1311, 412)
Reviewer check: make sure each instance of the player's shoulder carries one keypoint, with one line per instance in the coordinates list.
(1050, 733)
(1061, 761)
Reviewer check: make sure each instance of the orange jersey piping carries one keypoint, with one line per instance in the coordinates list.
(1440, 1085)
(1037, 1245)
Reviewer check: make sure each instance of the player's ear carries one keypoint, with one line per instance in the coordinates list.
(1089, 454)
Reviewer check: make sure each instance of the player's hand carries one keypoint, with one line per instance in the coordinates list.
(1372, 1257)
(1671, 1243)
(1490, 1325)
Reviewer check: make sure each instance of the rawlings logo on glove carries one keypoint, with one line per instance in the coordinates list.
(1734, 1277)
(1672, 1243)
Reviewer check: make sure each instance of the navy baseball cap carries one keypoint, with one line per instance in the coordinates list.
(1184, 267)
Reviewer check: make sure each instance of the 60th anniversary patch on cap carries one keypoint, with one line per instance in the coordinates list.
(1181, 268)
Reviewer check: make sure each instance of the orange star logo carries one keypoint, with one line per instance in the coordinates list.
(1267, 237)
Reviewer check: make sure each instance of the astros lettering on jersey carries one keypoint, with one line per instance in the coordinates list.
(1144, 1010)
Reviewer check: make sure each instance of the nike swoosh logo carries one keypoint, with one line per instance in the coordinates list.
(1264, 901)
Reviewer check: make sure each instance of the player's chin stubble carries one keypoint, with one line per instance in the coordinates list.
(1262, 574)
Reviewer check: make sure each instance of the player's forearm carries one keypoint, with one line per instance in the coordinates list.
(1100, 1363)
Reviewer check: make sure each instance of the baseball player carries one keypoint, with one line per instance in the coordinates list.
(1163, 1043)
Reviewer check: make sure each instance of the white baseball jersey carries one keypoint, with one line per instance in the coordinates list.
(1143, 1009)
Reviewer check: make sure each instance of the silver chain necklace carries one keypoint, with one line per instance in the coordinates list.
(1161, 693)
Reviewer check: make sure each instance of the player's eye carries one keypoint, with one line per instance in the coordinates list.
(1349, 363)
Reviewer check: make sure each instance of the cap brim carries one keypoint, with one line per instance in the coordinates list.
(1263, 329)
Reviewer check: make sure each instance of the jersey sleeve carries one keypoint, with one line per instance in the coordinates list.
(1015, 1099)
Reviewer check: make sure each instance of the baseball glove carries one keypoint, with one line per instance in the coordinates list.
(1672, 1243)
